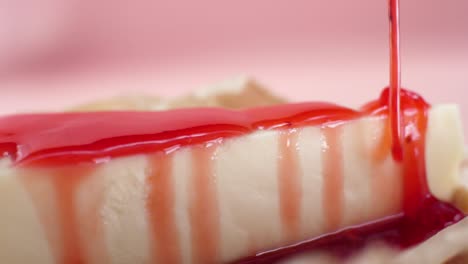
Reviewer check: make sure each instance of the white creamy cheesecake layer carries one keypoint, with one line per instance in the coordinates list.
(22, 236)
(247, 186)
(444, 151)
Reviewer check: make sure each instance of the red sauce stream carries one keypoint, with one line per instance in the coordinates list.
(395, 79)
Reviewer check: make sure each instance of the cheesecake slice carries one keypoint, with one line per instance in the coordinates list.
(212, 185)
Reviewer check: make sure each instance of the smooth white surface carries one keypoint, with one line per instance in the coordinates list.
(445, 151)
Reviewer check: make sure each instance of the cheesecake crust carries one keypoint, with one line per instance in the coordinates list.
(233, 94)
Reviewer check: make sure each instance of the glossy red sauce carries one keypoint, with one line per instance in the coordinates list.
(56, 140)
(395, 79)
(68, 138)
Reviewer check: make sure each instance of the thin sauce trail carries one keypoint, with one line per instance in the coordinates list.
(395, 79)
(204, 211)
(65, 237)
(289, 184)
(66, 182)
(161, 202)
(333, 184)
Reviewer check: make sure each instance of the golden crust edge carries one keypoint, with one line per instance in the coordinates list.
(234, 94)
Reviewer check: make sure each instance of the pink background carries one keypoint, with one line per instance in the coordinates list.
(56, 53)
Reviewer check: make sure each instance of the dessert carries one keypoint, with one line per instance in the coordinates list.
(258, 184)
(218, 186)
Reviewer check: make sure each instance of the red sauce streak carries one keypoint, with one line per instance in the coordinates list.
(204, 211)
(289, 184)
(71, 138)
(395, 79)
(65, 181)
(160, 205)
(95, 240)
(333, 192)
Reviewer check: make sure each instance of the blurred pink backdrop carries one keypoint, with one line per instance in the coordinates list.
(56, 53)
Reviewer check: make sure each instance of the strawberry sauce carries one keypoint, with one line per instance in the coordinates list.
(56, 140)
(64, 140)
(68, 138)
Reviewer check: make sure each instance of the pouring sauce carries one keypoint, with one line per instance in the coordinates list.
(60, 141)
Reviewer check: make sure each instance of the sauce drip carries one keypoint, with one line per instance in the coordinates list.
(65, 182)
(44, 140)
(332, 178)
(289, 183)
(203, 209)
(161, 215)
(395, 79)
(65, 230)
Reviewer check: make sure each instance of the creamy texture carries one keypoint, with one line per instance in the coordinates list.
(338, 181)
(246, 181)
(23, 238)
(445, 151)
